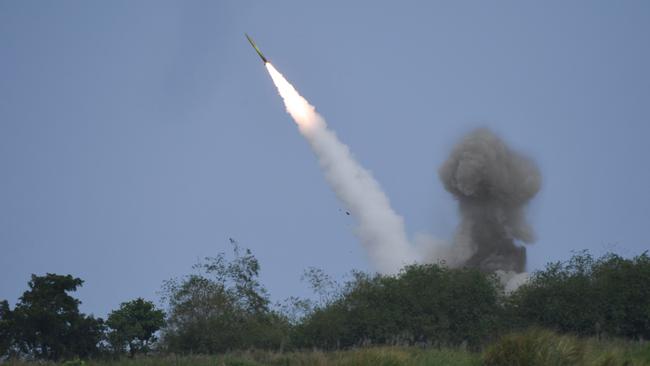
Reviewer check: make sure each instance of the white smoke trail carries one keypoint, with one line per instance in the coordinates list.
(380, 229)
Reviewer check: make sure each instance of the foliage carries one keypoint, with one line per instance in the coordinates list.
(535, 348)
(296, 309)
(46, 323)
(623, 286)
(414, 356)
(587, 296)
(222, 307)
(423, 304)
(553, 349)
(323, 285)
(133, 326)
(584, 351)
(6, 336)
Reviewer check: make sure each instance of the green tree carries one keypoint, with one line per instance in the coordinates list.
(624, 288)
(6, 329)
(586, 296)
(423, 304)
(47, 323)
(561, 297)
(221, 307)
(133, 326)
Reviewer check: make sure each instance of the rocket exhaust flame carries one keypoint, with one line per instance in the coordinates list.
(380, 229)
(298, 107)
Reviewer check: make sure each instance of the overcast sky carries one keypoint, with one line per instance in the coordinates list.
(137, 137)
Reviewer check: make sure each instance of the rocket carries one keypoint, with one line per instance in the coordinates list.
(256, 49)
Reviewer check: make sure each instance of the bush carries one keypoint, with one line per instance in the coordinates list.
(609, 296)
(543, 347)
(424, 304)
(534, 347)
(223, 307)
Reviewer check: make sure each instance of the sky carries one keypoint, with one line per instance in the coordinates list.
(137, 137)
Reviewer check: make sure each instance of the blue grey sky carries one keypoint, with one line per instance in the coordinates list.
(137, 137)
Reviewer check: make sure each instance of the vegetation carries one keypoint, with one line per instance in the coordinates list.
(538, 347)
(583, 311)
(423, 304)
(609, 296)
(377, 356)
(133, 326)
(46, 323)
(530, 348)
(221, 307)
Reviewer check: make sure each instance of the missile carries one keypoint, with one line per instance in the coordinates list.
(256, 49)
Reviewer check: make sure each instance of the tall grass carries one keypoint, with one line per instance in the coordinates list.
(529, 348)
(535, 348)
(376, 356)
(538, 347)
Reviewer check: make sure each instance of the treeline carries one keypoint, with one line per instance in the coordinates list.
(223, 307)
(46, 324)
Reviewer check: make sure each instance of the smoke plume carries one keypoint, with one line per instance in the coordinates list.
(492, 184)
(380, 229)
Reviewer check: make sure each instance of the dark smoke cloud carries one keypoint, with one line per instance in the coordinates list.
(492, 184)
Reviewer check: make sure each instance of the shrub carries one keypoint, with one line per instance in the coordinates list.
(534, 347)
(424, 304)
(223, 307)
(586, 296)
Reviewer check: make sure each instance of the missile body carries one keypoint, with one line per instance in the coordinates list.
(256, 49)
